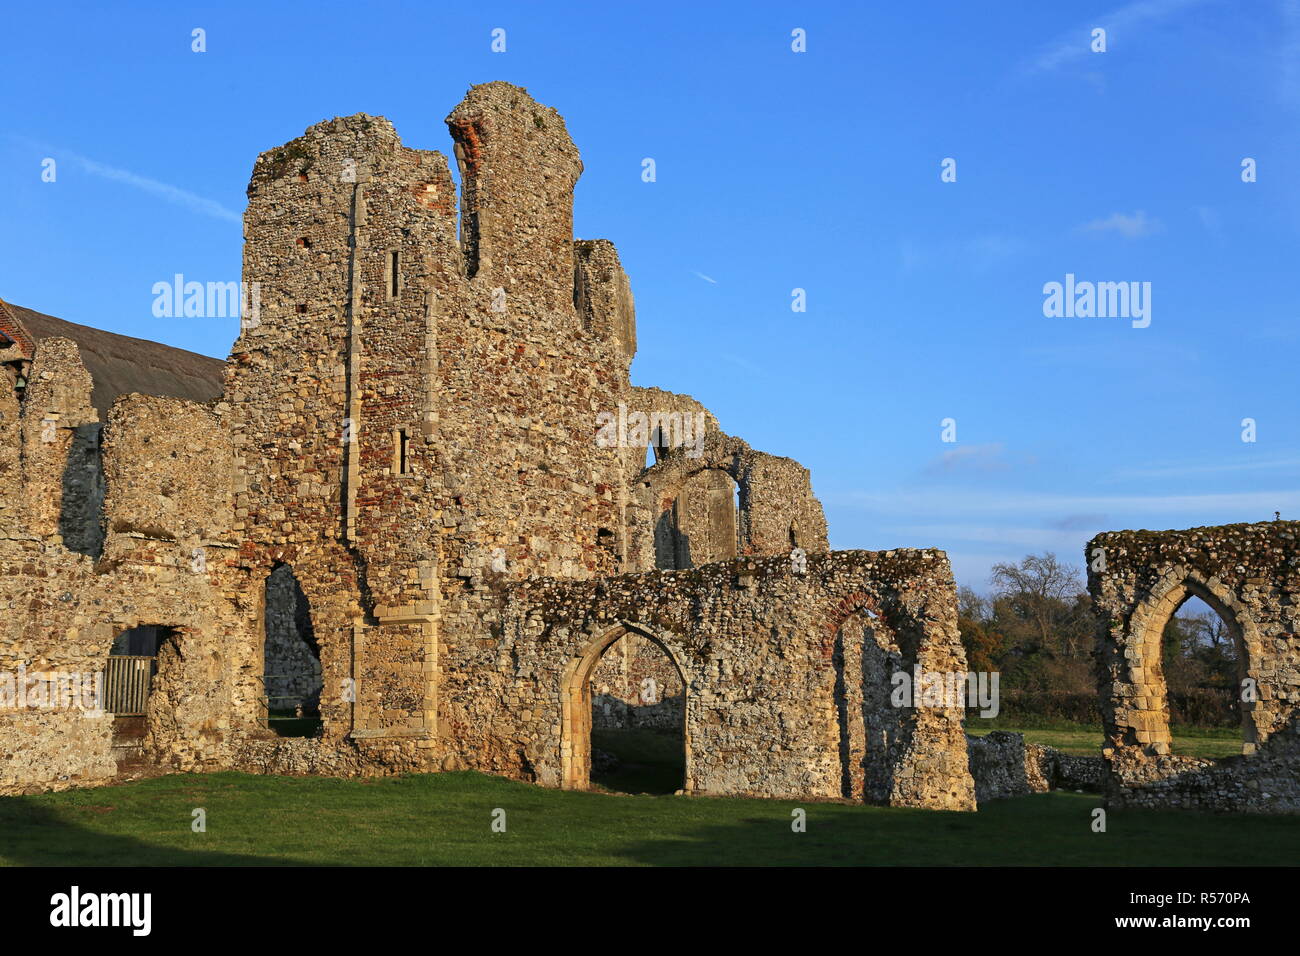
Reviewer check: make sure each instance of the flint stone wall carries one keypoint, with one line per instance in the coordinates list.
(1250, 575)
(1004, 765)
(408, 423)
(757, 645)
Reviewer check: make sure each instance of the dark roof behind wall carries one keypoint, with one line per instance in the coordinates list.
(121, 364)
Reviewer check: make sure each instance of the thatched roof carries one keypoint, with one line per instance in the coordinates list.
(121, 364)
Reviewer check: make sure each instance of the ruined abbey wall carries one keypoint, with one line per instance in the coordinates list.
(166, 557)
(1250, 575)
(780, 677)
(414, 433)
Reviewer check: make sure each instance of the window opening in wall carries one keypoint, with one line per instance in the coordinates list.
(129, 672)
(82, 492)
(394, 263)
(402, 451)
(735, 517)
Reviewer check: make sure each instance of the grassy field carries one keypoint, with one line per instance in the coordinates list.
(438, 819)
(1084, 739)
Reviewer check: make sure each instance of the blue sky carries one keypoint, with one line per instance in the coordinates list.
(779, 170)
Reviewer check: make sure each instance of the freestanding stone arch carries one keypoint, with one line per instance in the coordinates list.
(575, 704)
(1249, 574)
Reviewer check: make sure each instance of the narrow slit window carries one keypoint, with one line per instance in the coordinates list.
(394, 263)
(402, 451)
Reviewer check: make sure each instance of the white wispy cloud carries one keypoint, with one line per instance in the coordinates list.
(706, 278)
(744, 363)
(164, 191)
(1120, 25)
(982, 457)
(1133, 226)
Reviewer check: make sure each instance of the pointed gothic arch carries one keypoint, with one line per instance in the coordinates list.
(1146, 668)
(575, 704)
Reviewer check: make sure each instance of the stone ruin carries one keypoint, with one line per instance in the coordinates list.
(416, 502)
(1249, 574)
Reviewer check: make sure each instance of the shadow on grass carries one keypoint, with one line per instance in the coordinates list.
(446, 820)
(1035, 831)
(36, 835)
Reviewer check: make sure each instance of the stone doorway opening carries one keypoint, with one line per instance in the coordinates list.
(624, 726)
(129, 675)
(291, 677)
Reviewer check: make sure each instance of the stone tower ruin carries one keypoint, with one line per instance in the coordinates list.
(422, 476)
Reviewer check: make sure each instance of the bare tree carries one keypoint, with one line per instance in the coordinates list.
(1038, 588)
(1209, 630)
(972, 606)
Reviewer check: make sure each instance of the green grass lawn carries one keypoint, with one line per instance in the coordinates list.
(1083, 739)
(435, 819)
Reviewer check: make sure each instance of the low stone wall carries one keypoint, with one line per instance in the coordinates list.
(1003, 765)
(1266, 781)
(611, 713)
(1061, 771)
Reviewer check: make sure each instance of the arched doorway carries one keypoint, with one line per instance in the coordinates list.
(291, 658)
(1165, 675)
(1200, 662)
(627, 692)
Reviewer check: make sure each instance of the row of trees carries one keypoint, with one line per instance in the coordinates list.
(1037, 629)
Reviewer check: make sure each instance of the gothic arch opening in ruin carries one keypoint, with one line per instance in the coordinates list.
(703, 523)
(291, 672)
(633, 703)
(1151, 717)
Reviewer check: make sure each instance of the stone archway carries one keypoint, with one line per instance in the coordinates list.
(575, 706)
(1145, 720)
